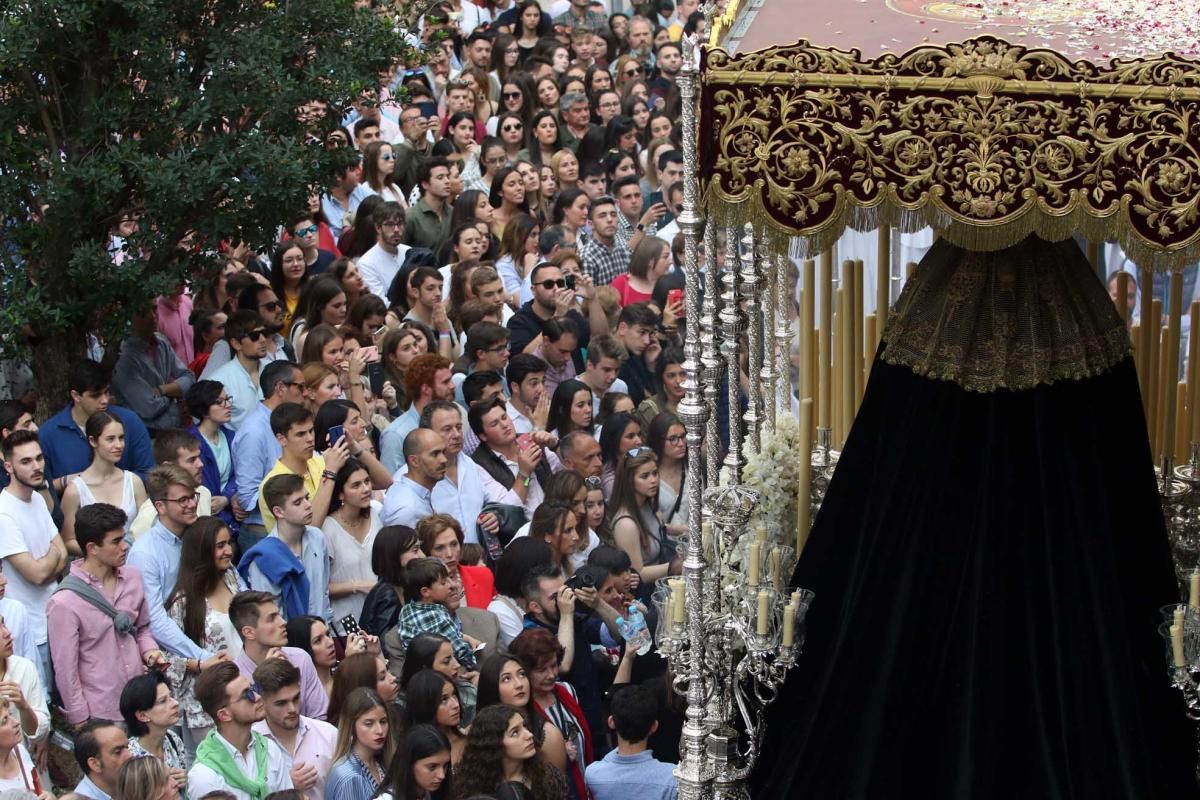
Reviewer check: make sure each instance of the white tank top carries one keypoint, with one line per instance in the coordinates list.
(128, 500)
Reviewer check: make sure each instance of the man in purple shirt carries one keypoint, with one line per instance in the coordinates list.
(94, 654)
(264, 635)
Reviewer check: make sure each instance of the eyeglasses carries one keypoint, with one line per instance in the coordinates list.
(224, 401)
(250, 695)
(256, 334)
(305, 231)
(553, 284)
(500, 348)
(676, 439)
(183, 500)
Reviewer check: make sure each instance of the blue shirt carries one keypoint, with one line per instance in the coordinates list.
(255, 451)
(314, 555)
(156, 555)
(406, 502)
(350, 780)
(240, 388)
(67, 451)
(391, 443)
(89, 789)
(617, 777)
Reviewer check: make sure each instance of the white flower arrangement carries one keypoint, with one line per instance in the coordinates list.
(773, 472)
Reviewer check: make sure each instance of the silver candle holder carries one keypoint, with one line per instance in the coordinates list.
(1180, 631)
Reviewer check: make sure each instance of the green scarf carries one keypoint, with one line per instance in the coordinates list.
(215, 755)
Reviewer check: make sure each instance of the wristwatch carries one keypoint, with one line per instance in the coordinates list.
(640, 228)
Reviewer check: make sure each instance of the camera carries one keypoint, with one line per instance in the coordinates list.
(570, 279)
(582, 580)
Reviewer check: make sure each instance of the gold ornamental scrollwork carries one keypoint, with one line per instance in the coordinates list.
(986, 141)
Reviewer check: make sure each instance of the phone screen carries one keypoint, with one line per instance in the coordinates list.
(428, 109)
(336, 432)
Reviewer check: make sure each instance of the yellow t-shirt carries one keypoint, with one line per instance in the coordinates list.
(312, 481)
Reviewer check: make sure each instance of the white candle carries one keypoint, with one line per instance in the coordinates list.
(706, 538)
(1179, 618)
(764, 611)
(789, 625)
(679, 600)
(1194, 595)
(1176, 641)
(754, 552)
(761, 533)
(776, 561)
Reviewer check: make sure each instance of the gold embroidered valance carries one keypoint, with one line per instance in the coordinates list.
(986, 141)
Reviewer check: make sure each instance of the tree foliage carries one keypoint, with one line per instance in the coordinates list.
(207, 119)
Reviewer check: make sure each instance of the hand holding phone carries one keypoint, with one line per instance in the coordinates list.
(336, 432)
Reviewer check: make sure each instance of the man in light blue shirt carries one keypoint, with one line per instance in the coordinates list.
(461, 493)
(101, 749)
(409, 499)
(156, 553)
(249, 341)
(632, 770)
(255, 448)
(391, 441)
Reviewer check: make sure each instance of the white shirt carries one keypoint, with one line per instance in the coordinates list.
(378, 268)
(240, 388)
(617, 386)
(406, 502)
(202, 779)
(27, 528)
(22, 672)
(521, 423)
(510, 617)
(16, 619)
(535, 493)
(351, 560)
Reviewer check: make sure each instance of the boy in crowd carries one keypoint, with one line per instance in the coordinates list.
(427, 585)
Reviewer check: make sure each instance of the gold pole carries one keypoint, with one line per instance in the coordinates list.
(1152, 332)
(804, 497)
(1160, 391)
(846, 310)
(868, 357)
(1171, 361)
(807, 295)
(883, 282)
(1193, 376)
(857, 342)
(1123, 295)
(1146, 345)
(1181, 445)
(825, 403)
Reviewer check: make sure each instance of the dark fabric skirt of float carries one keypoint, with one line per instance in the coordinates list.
(988, 571)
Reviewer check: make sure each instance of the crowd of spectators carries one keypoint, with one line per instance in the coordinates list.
(375, 512)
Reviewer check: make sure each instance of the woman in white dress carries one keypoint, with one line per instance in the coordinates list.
(199, 604)
(103, 481)
(350, 530)
(16, 766)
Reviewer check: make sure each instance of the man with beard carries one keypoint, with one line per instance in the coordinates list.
(95, 655)
(31, 550)
(309, 743)
(379, 265)
(460, 493)
(551, 298)
(249, 340)
(641, 42)
(262, 300)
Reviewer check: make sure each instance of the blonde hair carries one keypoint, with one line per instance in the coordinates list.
(141, 778)
(651, 161)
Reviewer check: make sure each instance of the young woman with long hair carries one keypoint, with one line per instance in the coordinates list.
(633, 516)
(429, 651)
(311, 634)
(620, 134)
(568, 488)
(637, 110)
(350, 529)
(611, 404)
(518, 255)
(510, 130)
(521, 555)
(378, 177)
(503, 679)
(657, 147)
(505, 55)
(507, 199)
(394, 547)
(531, 26)
(364, 747)
(465, 243)
(547, 95)
(399, 348)
(621, 432)
(618, 164)
(360, 237)
(501, 748)
(556, 525)
(420, 770)
(565, 165)
(460, 292)
(532, 182)
(289, 273)
(210, 405)
(103, 481)
(669, 371)
(208, 328)
(668, 440)
(471, 207)
(543, 141)
(431, 698)
(570, 210)
(596, 509)
(491, 159)
(322, 302)
(570, 409)
(321, 384)
(145, 778)
(361, 671)
(650, 261)
(345, 270)
(199, 605)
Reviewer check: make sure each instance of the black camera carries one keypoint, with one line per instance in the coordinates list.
(583, 579)
(570, 279)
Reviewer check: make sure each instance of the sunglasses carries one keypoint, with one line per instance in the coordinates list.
(512, 95)
(553, 284)
(632, 71)
(305, 231)
(256, 334)
(388, 157)
(274, 305)
(512, 128)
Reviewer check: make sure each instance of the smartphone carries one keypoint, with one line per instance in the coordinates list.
(336, 432)
(428, 109)
(523, 441)
(376, 376)
(570, 279)
(674, 296)
(350, 625)
(370, 354)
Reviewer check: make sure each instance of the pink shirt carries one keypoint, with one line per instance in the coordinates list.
(315, 743)
(92, 662)
(173, 322)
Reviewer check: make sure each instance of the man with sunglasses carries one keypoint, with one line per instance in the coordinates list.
(262, 300)
(248, 340)
(551, 299)
(234, 758)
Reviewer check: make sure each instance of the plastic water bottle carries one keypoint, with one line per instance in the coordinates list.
(633, 628)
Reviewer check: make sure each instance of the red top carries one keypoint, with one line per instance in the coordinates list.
(627, 294)
(479, 585)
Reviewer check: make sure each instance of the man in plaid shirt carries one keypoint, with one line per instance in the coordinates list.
(634, 223)
(603, 257)
(428, 582)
